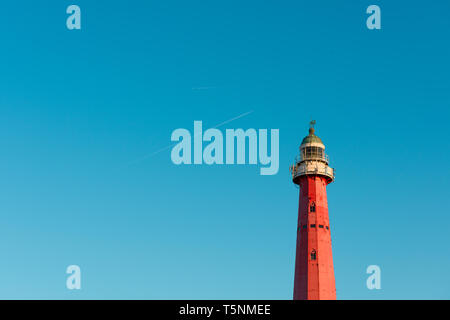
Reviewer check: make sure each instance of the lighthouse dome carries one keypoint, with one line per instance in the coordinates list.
(311, 138)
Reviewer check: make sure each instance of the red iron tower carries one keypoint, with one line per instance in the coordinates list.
(314, 273)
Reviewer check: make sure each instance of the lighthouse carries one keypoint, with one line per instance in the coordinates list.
(314, 272)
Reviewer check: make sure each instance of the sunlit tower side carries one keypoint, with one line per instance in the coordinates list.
(314, 272)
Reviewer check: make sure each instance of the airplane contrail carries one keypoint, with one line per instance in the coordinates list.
(173, 144)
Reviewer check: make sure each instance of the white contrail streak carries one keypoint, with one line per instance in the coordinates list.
(173, 144)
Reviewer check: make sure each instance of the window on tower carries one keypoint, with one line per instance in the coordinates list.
(313, 152)
(313, 254)
(320, 153)
(312, 207)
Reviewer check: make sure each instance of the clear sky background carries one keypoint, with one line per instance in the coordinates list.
(80, 109)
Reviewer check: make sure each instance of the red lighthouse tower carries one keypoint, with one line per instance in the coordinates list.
(314, 273)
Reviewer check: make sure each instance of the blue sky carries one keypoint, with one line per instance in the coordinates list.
(77, 107)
